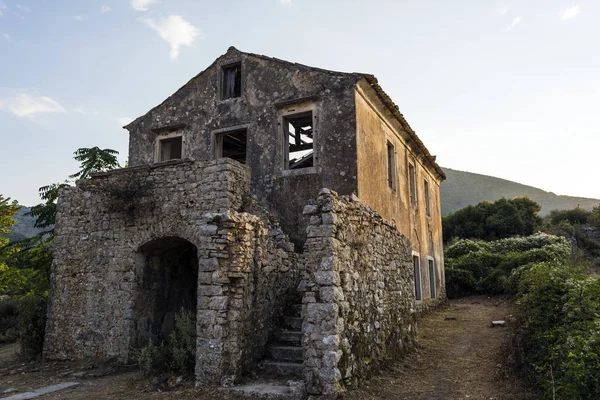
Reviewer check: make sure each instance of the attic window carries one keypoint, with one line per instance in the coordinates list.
(231, 81)
(170, 149)
(231, 145)
(299, 149)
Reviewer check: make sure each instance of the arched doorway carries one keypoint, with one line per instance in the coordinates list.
(167, 276)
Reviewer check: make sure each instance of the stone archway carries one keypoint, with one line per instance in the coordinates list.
(167, 277)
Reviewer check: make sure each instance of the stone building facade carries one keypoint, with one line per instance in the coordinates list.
(222, 211)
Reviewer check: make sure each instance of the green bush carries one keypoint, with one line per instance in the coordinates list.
(559, 326)
(574, 216)
(8, 319)
(459, 282)
(178, 354)
(182, 343)
(152, 358)
(464, 247)
(491, 263)
(32, 325)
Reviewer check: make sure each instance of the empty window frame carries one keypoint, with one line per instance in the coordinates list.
(170, 148)
(412, 178)
(427, 199)
(298, 136)
(231, 145)
(231, 81)
(431, 264)
(391, 166)
(417, 269)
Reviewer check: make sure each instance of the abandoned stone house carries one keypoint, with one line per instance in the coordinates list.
(293, 208)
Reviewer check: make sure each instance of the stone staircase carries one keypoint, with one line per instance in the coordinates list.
(284, 351)
(281, 374)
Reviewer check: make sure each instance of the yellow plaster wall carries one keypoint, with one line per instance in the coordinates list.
(375, 128)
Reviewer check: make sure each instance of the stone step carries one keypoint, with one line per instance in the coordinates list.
(288, 337)
(292, 323)
(282, 368)
(285, 353)
(270, 390)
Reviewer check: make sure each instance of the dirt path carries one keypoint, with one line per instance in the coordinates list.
(461, 358)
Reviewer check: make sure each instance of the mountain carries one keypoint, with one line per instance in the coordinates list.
(461, 189)
(24, 228)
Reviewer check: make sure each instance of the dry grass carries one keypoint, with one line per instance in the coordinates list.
(460, 358)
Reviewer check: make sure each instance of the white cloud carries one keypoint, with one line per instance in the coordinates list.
(286, 2)
(569, 13)
(142, 5)
(78, 17)
(124, 120)
(25, 105)
(105, 9)
(514, 23)
(2, 8)
(174, 30)
(502, 10)
(23, 8)
(6, 36)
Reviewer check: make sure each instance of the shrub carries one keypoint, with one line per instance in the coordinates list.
(31, 325)
(559, 326)
(178, 354)
(182, 343)
(152, 358)
(459, 282)
(8, 320)
(464, 247)
(495, 283)
(491, 263)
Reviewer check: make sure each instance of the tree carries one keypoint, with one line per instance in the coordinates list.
(490, 221)
(94, 160)
(45, 213)
(7, 211)
(594, 217)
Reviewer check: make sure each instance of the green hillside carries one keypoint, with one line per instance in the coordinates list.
(24, 228)
(461, 189)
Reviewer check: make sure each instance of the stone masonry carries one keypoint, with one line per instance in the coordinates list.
(222, 212)
(246, 268)
(358, 309)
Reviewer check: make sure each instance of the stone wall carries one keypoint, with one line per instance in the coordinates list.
(270, 88)
(107, 226)
(248, 275)
(358, 300)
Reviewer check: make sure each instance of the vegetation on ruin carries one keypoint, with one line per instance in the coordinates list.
(177, 354)
(25, 264)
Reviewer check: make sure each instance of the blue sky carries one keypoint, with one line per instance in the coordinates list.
(503, 88)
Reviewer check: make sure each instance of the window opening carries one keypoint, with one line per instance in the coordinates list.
(431, 278)
(417, 267)
(412, 176)
(300, 140)
(170, 149)
(391, 163)
(427, 205)
(232, 145)
(232, 81)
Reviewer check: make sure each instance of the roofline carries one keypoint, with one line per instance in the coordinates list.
(371, 80)
(393, 108)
